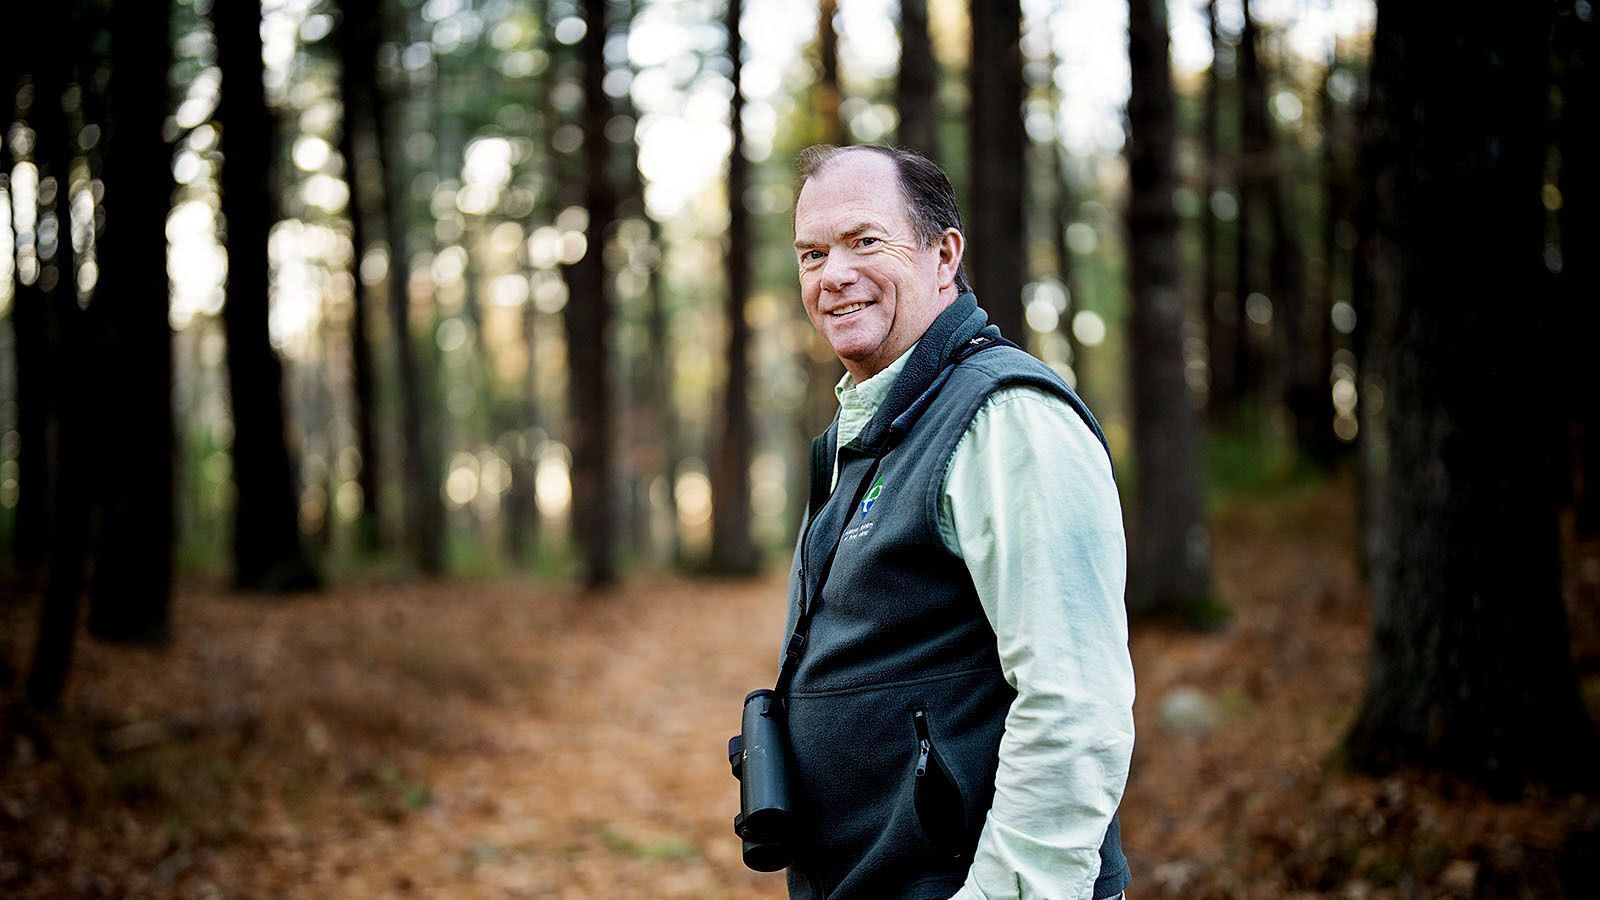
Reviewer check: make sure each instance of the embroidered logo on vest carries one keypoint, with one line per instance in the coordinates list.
(873, 493)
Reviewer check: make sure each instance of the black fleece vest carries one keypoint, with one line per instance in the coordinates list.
(897, 704)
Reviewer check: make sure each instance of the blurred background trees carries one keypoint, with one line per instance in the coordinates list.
(1471, 649)
(467, 287)
(1170, 568)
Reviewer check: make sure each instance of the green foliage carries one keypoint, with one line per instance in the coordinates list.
(1245, 458)
(1209, 613)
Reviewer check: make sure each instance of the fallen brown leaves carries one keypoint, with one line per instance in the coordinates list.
(510, 739)
(1260, 805)
(447, 740)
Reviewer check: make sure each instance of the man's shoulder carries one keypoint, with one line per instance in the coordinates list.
(1006, 376)
(1002, 369)
(1024, 399)
(1007, 361)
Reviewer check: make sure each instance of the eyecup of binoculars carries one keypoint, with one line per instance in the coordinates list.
(765, 857)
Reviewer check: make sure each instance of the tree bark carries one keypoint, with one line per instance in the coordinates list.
(916, 90)
(1336, 143)
(827, 92)
(658, 447)
(661, 397)
(66, 360)
(132, 586)
(997, 245)
(1470, 672)
(419, 447)
(1171, 572)
(732, 550)
(10, 74)
(1252, 178)
(30, 310)
(1579, 218)
(357, 87)
(1218, 308)
(1301, 369)
(522, 500)
(588, 316)
(268, 552)
(526, 527)
(1061, 217)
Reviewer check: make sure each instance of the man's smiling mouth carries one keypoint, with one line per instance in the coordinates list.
(847, 310)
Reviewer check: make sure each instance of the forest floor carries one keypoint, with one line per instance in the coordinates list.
(509, 739)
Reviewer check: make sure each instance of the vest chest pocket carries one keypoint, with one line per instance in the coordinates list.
(940, 808)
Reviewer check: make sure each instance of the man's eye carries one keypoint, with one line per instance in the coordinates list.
(812, 255)
(867, 241)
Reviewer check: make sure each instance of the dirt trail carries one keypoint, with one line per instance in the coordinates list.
(441, 741)
(611, 782)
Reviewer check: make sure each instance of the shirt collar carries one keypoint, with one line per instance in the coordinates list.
(868, 395)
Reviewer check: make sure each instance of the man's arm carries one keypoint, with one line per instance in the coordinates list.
(1030, 506)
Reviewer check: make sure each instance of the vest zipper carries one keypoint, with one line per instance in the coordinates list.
(924, 741)
(942, 816)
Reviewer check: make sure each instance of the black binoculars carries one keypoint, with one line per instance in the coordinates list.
(759, 755)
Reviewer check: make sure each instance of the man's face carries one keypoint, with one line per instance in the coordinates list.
(869, 286)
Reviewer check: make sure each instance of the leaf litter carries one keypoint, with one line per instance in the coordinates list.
(511, 739)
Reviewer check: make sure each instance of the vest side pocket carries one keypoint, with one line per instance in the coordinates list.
(941, 810)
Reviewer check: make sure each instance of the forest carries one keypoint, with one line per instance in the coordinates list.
(406, 405)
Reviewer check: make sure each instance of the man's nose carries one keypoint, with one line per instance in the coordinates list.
(837, 273)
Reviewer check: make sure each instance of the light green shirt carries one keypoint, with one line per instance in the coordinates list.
(1030, 506)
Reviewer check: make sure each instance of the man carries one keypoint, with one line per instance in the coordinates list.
(957, 684)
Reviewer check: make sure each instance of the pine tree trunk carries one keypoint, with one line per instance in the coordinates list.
(1580, 235)
(66, 362)
(661, 397)
(268, 553)
(588, 316)
(1171, 570)
(1470, 672)
(828, 94)
(10, 74)
(732, 550)
(1374, 154)
(132, 586)
(1217, 308)
(30, 337)
(1252, 178)
(522, 500)
(357, 85)
(1061, 215)
(658, 443)
(1336, 199)
(917, 87)
(1061, 220)
(526, 528)
(1300, 372)
(419, 448)
(997, 246)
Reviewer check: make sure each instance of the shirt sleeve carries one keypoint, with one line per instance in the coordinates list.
(1030, 505)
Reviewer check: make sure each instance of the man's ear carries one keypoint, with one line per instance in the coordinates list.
(951, 246)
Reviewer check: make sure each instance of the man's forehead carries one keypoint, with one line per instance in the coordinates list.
(854, 183)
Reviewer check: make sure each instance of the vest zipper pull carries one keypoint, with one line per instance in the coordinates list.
(919, 718)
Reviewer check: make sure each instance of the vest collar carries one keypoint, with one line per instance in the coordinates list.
(959, 323)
